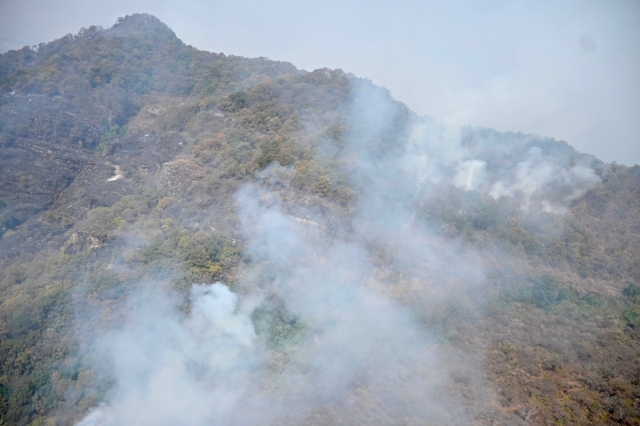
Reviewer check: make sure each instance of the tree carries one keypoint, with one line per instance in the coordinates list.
(544, 291)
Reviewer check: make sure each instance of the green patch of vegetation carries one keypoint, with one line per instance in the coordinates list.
(632, 318)
(114, 133)
(204, 256)
(507, 348)
(104, 220)
(279, 327)
(632, 291)
(544, 292)
(7, 219)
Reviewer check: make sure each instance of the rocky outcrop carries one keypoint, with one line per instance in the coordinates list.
(80, 241)
(179, 174)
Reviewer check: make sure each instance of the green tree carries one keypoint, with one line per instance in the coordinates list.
(544, 292)
(632, 291)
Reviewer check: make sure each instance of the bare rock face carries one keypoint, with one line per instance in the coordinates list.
(81, 240)
(178, 175)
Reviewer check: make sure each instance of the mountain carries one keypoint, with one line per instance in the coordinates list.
(195, 238)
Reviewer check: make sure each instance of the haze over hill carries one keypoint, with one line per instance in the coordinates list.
(566, 70)
(195, 238)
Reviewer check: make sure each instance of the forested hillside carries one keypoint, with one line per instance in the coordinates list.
(195, 238)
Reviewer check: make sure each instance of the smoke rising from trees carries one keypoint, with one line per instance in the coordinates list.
(314, 323)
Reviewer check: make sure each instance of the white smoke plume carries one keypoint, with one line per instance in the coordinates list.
(188, 370)
(355, 334)
(209, 367)
(519, 168)
(470, 175)
(536, 177)
(345, 345)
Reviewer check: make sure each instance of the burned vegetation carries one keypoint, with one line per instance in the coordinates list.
(372, 266)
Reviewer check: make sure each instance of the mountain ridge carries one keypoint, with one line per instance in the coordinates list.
(130, 162)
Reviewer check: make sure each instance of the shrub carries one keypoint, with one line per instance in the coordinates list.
(544, 292)
(593, 300)
(507, 348)
(632, 291)
(632, 318)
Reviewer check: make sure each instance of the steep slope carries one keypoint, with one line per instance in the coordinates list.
(385, 268)
(70, 97)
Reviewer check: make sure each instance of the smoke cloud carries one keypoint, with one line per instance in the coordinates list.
(537, 176)
(470, 175)
(326, 318)
(182, 370)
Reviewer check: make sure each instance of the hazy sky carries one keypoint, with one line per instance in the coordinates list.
(565, 69)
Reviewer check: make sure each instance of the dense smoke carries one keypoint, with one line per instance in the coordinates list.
(173, 370)
(537, 176)
(350, 345)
